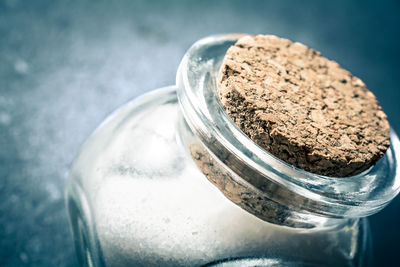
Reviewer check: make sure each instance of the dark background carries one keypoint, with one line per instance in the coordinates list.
(65, 65)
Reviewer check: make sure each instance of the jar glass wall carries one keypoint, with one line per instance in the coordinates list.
(163, 182)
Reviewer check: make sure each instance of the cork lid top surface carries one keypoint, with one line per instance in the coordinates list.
(302, 107)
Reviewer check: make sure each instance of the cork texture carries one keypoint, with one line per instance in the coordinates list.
(243, 194)
(302, 107)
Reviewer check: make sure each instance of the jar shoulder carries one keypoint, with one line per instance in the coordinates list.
(148, 203)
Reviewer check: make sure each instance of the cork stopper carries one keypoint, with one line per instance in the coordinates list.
(302, 107)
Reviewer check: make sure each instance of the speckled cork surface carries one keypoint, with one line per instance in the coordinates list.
(246, 196)
(302, 107)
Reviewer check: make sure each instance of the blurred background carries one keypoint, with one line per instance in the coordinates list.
(65, 65)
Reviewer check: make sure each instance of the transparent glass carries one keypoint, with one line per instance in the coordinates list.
(169, 180)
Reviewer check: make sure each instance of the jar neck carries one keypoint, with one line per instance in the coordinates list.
(309, 198)
(247, 188)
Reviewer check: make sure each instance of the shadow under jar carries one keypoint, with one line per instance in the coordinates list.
(168, 179)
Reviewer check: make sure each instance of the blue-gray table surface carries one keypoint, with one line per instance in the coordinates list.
(65, 65)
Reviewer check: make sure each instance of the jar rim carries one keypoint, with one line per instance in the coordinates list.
(355, 196)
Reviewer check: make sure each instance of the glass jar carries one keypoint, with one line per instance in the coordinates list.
(168, 179)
